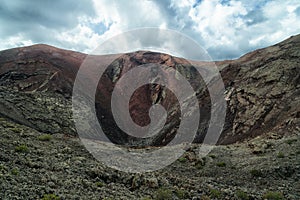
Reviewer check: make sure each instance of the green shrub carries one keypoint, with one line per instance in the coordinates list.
(146, 198)
(273, 195)
(290, 141)
(50, 197)
(15, 171)
(280, 155)
(22, 148)
(256, 173)
(45, 137)
(16, 130)
(99, 184)
(200, 163)
(164, 194)
(182, 159)
(204, 197)
(242, 195)
(221, 164)
(212, 156)
(181, 194)
(215, 193)
(2, 167)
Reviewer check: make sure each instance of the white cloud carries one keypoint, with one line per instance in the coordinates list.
(14, 41)
(227, 29)
(217, 23)
(230, 30)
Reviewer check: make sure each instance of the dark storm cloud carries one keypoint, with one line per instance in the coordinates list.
(38, 20)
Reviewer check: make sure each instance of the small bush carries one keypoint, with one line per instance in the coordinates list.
(45, 137)
(273, 195)
(181, 194)
(256, 173)
(50, 197)
(200, 163)
(242, 195)
(212, 156)
(146, 198)
(99, 184)
(16, 130)
(290, 141)
(182, 159)
(215, 193)
(22, 148)
(204, 197)
(164, 194)
(280, 155)
(221, 164)
(2, 167)
(15, 171)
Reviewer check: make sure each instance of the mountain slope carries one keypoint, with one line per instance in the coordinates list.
(262, 122)
(262, 91)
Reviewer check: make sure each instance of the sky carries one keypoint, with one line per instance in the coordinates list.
(226, 29)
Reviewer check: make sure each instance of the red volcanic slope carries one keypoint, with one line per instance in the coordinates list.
(262, 87)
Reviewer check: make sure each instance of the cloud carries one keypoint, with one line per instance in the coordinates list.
(297, 11)
(153, 39)
(226, 28)
(254, 17)
(40, 21)
(232, 28)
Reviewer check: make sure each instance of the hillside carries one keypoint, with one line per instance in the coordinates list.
(43, 158)
(261, 89)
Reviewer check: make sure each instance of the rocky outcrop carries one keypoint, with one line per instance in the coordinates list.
(262, 92)
(47, 112)
(36, 85)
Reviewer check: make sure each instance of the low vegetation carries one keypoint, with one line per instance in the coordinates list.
(181, 194)
(205, 197)
(240, 194)
(270, 195)
(221, 164)
(15, 171)
(214, 193)
(99, 184)
(280, 155)
(182, 159)
(164, 194)
(45, 137)
(212, 156)
(50, 197)
(291, 141)
(256, 173)
(22, 148)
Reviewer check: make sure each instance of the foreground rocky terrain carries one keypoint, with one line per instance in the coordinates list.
(37, 166)
(258, 156)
